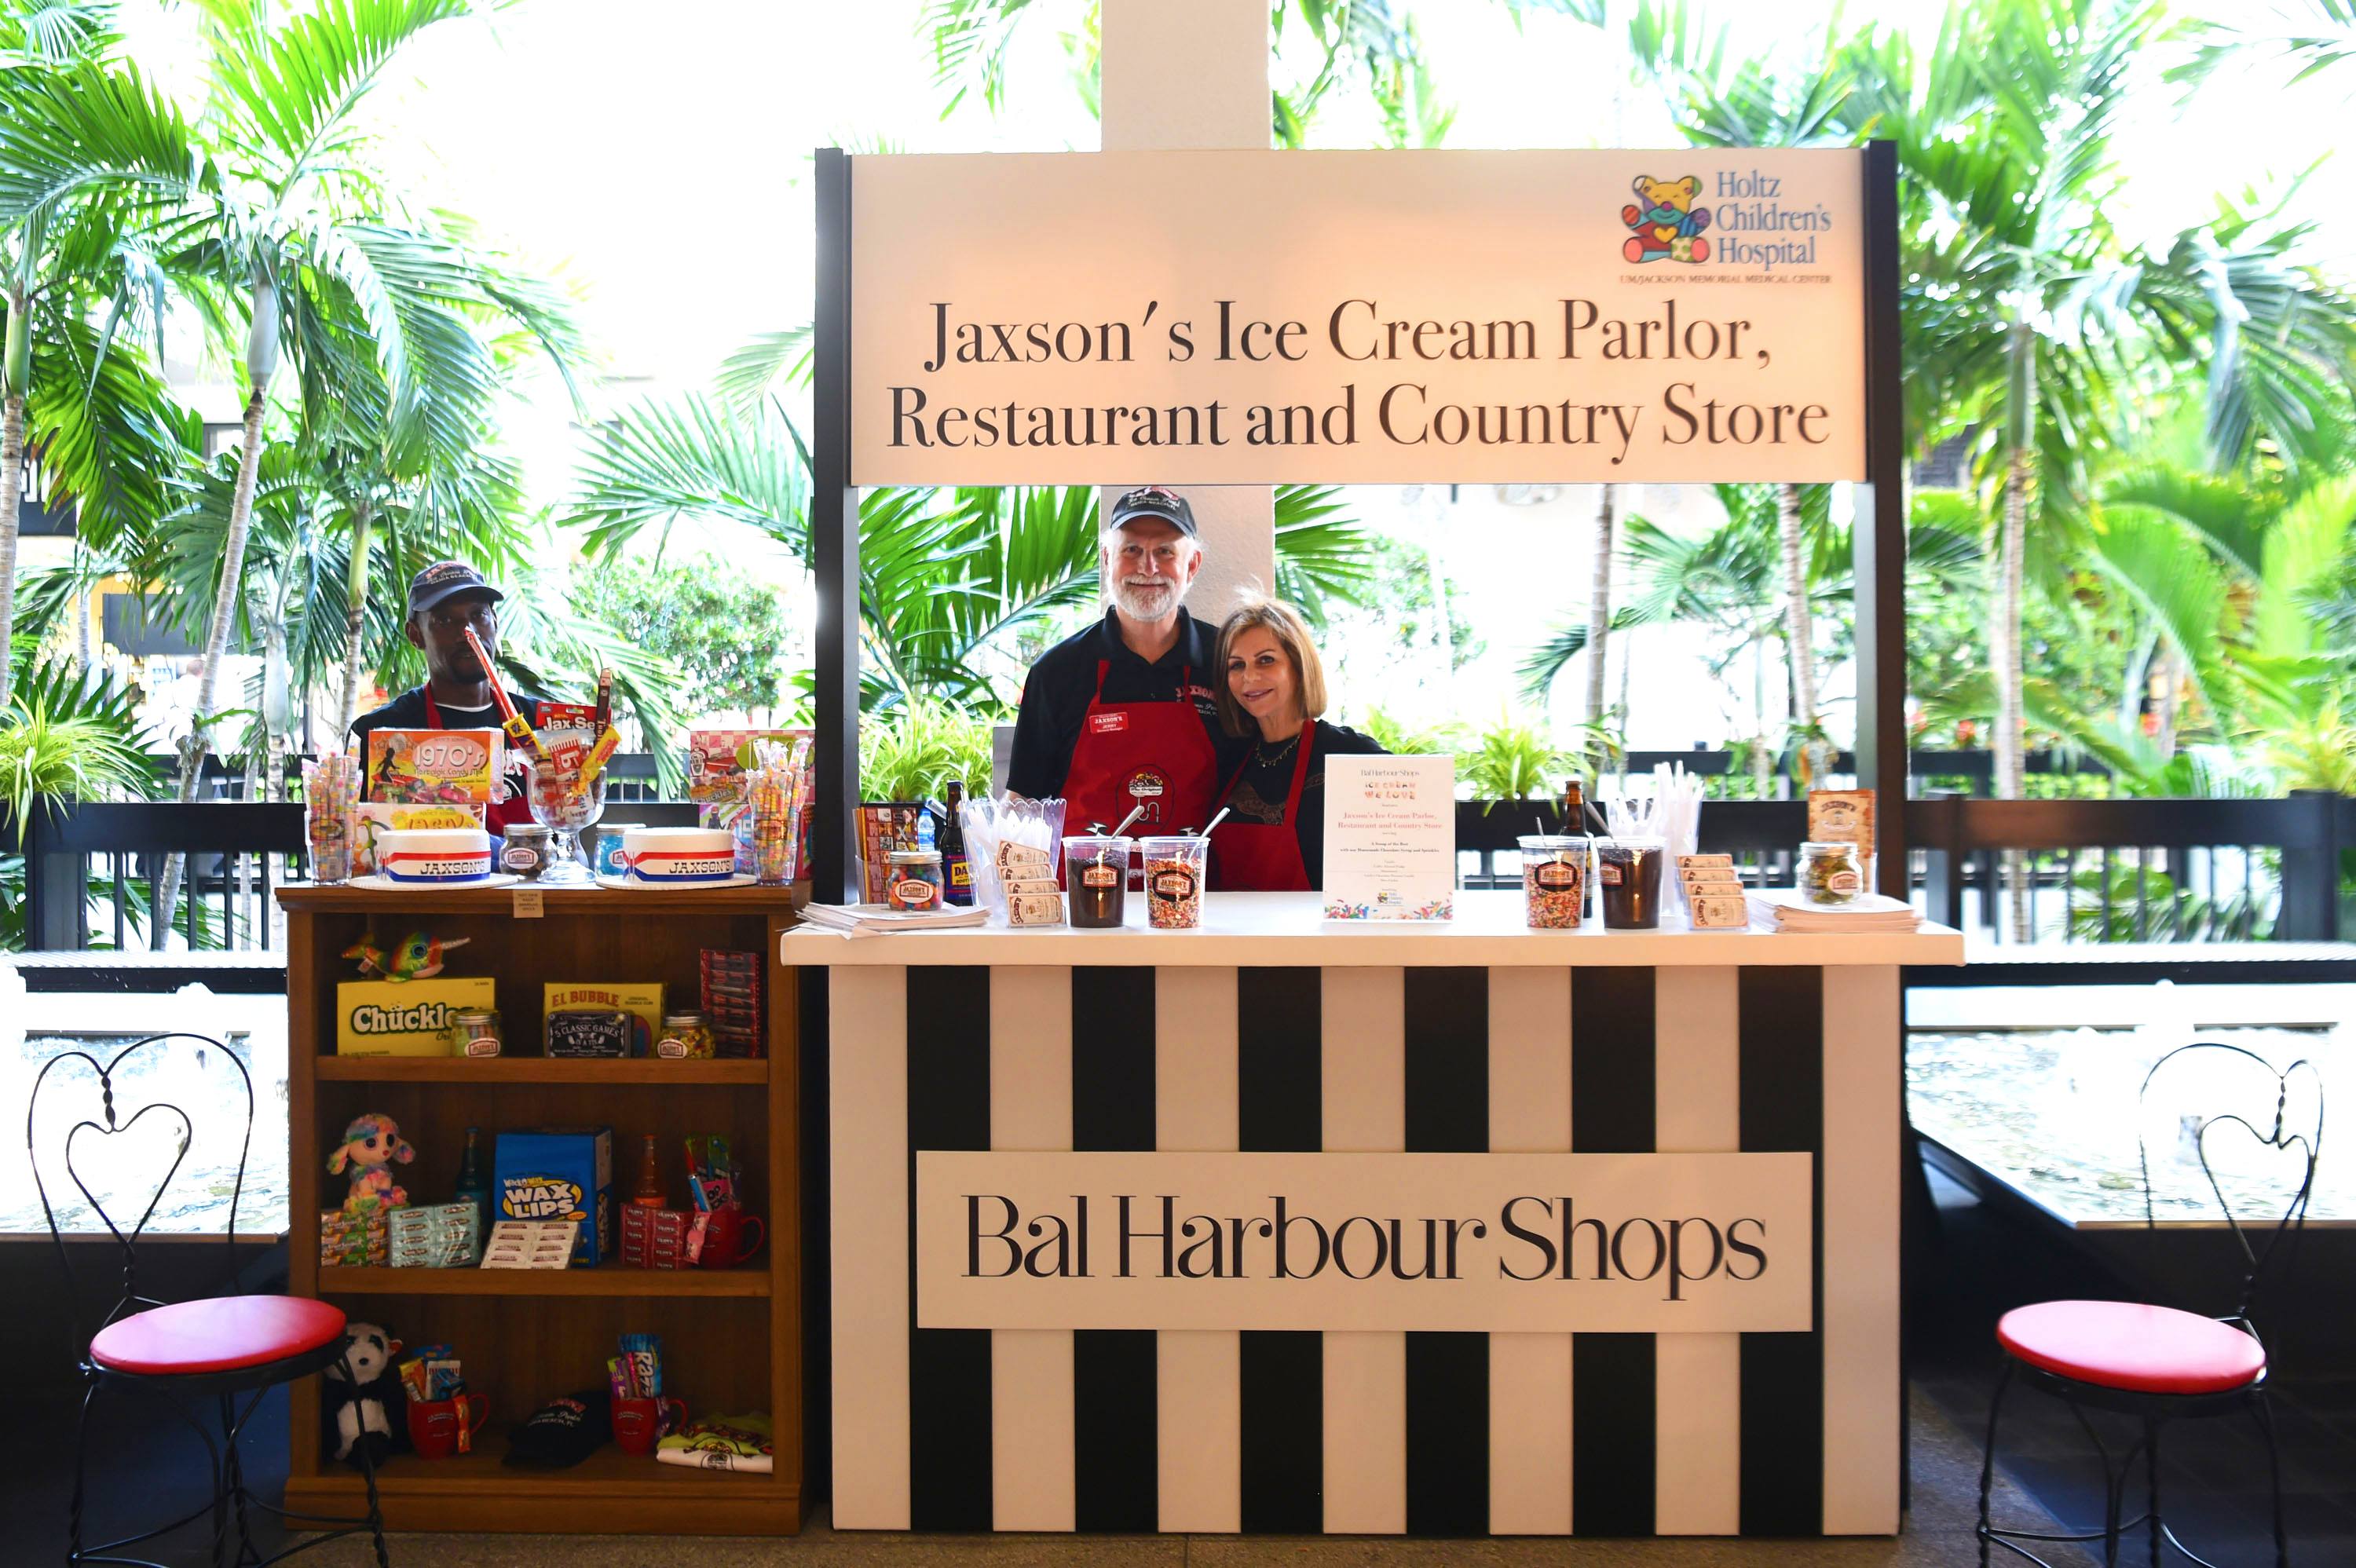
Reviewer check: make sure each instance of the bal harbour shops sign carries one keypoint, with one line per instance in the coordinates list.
(1491, 1243)
(1358, 317)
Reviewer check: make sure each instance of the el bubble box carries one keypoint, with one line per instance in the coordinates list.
(558, 1173)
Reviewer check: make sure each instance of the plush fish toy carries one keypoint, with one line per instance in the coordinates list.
(417, 958)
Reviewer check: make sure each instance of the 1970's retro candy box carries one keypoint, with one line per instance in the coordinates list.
(559, 1173)
(432, 767)
(405, 1017)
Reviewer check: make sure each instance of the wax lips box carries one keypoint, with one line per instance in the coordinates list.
(559, 1173)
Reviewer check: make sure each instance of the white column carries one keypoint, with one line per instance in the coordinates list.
(1199, 1402)
(1031, 1378)
(1196, 76)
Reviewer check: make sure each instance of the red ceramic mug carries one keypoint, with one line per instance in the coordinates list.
(439, 1428)
(725, 1242)
(639, 1423)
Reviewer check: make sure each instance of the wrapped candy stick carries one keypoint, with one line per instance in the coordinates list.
(517, 727)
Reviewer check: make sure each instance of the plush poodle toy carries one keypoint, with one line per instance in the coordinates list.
(361, 1394)
(372, 1143)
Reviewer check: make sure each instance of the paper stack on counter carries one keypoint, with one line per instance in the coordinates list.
(1783, 909)
(866, 920)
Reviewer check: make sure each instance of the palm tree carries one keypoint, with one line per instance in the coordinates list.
(88, 150)
(2031, 324)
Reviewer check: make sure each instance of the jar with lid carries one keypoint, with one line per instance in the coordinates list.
(1831, 873)
(684, 1038)
(524, 850)
(915, 881)
(475, 1031)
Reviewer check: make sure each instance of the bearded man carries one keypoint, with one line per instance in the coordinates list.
(1121, 715)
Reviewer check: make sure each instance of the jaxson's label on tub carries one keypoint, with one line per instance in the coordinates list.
(1715, 1242)
(407, 1018)
(559, 1173)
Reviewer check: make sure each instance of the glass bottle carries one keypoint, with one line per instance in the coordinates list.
(649, 1193)
(957, 876)
(474, 1187)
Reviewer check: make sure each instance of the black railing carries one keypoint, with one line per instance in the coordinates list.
(2095, 871)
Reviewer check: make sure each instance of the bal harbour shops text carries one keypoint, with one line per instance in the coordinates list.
(1533, 1239)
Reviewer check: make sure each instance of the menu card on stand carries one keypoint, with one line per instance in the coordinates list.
(1390, 837)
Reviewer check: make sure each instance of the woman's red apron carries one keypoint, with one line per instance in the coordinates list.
(498, 813)
(1263, 856)
(1153, 754)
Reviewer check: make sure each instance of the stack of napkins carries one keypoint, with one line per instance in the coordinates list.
(1783, 909)
(862, 920)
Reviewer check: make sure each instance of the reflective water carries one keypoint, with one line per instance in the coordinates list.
(122, 1169)
(2056, 1113)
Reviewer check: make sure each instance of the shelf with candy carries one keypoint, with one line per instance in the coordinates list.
(606, 1279)
(723, 1071)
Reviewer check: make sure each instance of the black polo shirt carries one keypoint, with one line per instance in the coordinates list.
(1055, 698)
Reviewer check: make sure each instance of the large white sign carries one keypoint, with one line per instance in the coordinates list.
(1199, 317)
(1488, 1242)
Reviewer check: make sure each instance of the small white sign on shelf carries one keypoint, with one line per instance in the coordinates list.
(1390, 837)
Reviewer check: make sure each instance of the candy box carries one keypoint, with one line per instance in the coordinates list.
(404, 1018)
(655, 1238)
(435, 1235)
(643, 1000)
(583, 1033)
(559, 1173)
(432, 767)
(717, 762)
(371, 818)
(352, 1239)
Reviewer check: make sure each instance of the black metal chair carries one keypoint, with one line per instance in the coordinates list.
(222, 1349)
(2158, 1364)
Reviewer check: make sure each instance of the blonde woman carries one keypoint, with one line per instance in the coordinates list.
(1272, 691)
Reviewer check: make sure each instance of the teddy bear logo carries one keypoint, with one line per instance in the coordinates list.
(1664, 221)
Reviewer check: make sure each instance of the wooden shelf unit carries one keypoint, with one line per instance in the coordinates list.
(732, 1337)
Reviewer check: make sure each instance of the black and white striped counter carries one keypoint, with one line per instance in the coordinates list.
(1281, 1044)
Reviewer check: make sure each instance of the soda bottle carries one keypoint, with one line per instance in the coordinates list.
(649, 1194)
(474, 1187)
(957, 874)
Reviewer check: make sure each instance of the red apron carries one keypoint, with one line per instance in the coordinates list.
(1153, 754)
(1263, 856)
(498, 813)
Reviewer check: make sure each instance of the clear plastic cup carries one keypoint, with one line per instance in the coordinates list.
(1096, 879)
(1554, 880)
(1174, 879)
(1627, 880)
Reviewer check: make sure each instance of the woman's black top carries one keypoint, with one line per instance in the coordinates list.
(1267, 779)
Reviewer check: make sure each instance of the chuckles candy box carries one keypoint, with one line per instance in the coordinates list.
(404, 1018)
(559, 1173)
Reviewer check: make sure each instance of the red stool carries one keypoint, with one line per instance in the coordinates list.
(2156, 1363)
(218, 1349)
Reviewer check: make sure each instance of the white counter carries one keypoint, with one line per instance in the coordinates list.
(1288, 930)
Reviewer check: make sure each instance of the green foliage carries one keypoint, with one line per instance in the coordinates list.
(1517, 758)
(910, 752)
(67, 737)
(724, 629)
(1403, 739)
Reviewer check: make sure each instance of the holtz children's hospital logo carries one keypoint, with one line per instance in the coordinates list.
(1664, 221)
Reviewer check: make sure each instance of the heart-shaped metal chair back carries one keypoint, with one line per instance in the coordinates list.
(111, 1123)
(2288, 1130)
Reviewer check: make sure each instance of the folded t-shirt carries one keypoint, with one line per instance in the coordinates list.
(722, 1443)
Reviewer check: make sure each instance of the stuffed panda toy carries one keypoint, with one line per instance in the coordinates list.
(365, 1404)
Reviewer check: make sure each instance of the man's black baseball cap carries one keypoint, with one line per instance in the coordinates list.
(1159, 503)
(447, 580)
